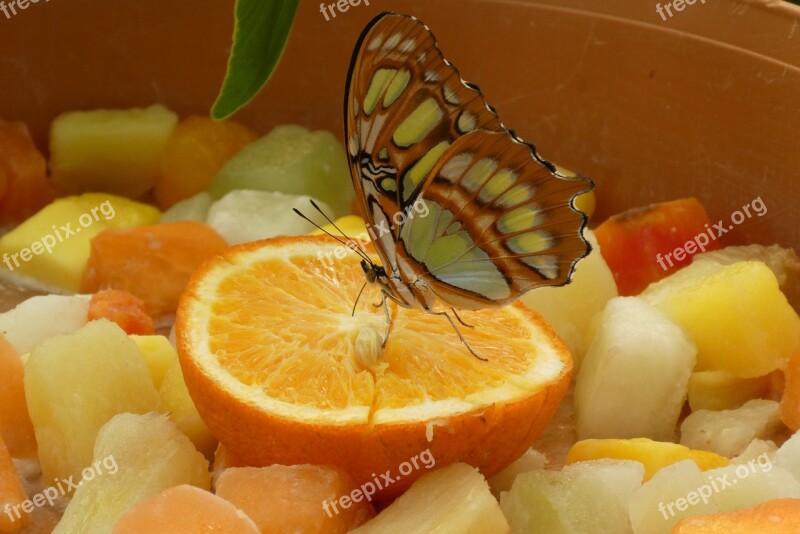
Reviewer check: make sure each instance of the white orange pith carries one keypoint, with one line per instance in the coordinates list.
(282, 373)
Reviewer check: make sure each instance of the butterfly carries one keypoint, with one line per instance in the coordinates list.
(463, 213)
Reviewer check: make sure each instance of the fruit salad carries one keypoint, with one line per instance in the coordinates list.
(180, 352)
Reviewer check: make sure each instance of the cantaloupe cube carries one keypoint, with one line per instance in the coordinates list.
(24, 187)
(581, 498)
(15, 423)
(185, 509)
(635, 375)
(282, 498)
(53, 245)
(150, 455)
(74, 384)
(736, 314)
(158, 354)
(569, 309)
(117, 151)
(12, 496)
(779, 516)
(719, 390)
(123, 308)
(729, 432)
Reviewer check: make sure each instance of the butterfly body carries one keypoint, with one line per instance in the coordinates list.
(470, 216)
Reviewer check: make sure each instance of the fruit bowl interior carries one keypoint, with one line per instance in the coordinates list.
(651, 109)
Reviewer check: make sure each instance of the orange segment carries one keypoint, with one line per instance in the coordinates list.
(781, 516)
(12, 515)
(281, 371)
(127, 310)
(15, 423)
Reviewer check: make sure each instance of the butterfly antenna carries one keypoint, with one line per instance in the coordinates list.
(332, 223)
(358, 297)
(349, 243)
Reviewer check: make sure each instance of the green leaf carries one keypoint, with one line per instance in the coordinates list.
(259, 39)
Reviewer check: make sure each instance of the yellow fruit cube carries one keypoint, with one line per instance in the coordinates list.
(158, 354)
(653, 454)
(116, 151)
(718, 390)
(736, 314)
(53, 245)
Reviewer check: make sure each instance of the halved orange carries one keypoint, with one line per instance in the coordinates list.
(282, 372)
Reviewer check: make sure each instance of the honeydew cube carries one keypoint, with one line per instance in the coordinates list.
(788, 456)
(191, 209)
(243, 215)
(150, 455)
(634, 379)
(682, 490)
(53, 245)
(729, 432)
(583, 498)
(756, 448)
(569, 309)
(736, 314)
(43, 317)
(719, 390)
(158, 354)
(452, 500)
(118, 151)
(531, 460)
(74, 384)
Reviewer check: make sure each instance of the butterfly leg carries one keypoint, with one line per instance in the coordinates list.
(458, 332)
(460, 320)
(388, 319)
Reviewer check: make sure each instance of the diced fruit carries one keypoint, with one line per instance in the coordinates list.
(582, 498)
(223, 459)
(637, 353)
(654, 455)
(153, 262)
(195, 151)
(158, 354)
(736, 314)
(13, 516)
(192, 209)
(531, 460)
(646, 244)
(282, 371)
(282, 498)
(779, 516)
(40, 318)
(185, 509)
(292, 160)
(682, 490)
(452, 500)
(352, 226)
(151, 455)
(74, 384)
(718, 390)
(788, 456)
(122, 308)
(53, 245)
(15, 423)
(242, 216)
(24, 187)
(117, 151)
(790, 401)
(728, 432)
(569, 309)
(756, 448)
(783, 262)
(174, 399)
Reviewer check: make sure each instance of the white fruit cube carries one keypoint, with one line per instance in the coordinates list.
(40, 318)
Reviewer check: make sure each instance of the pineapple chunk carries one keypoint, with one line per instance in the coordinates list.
(74, 384)
(637, 353)
(64, 229)
(452, 500)
(736, 314)
(569, 309)
(150, 455)
(729, 432)
(116, 151)
(174, 399)
(582, 498)
(158, 354)
(756, 448)
(718, 390)
(40, 318)
(531, 460)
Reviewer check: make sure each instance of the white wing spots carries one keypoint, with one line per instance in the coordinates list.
(430, 77)
(423, 57)
(466, 122)
(516, 196)
(408, 45)
(418, 124)
(396, 87)
(352, 145)
(392, 42)
(547, 265)
(520, 219)
(375, 43)
(377, 87)
(530, 242)
(450, 96)
(478, 174)
(497, 185)
(421, 168)
(374, 130)
(455, 167)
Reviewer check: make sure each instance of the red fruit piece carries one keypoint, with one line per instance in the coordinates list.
(127, 310)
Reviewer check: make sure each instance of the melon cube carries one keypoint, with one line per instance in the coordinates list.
(117, 151)
(778, 516)
(135, 457)
(718, 390)
(736, 314)
(15, 423)
(582, 498)
(569, 309)
(452, 500)
(12, 494)
(729, 432)
(756, 448)
(637, 353)
(74, 384)
(158, 354)
(531, 460)
(788, 455)
(194, 208)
